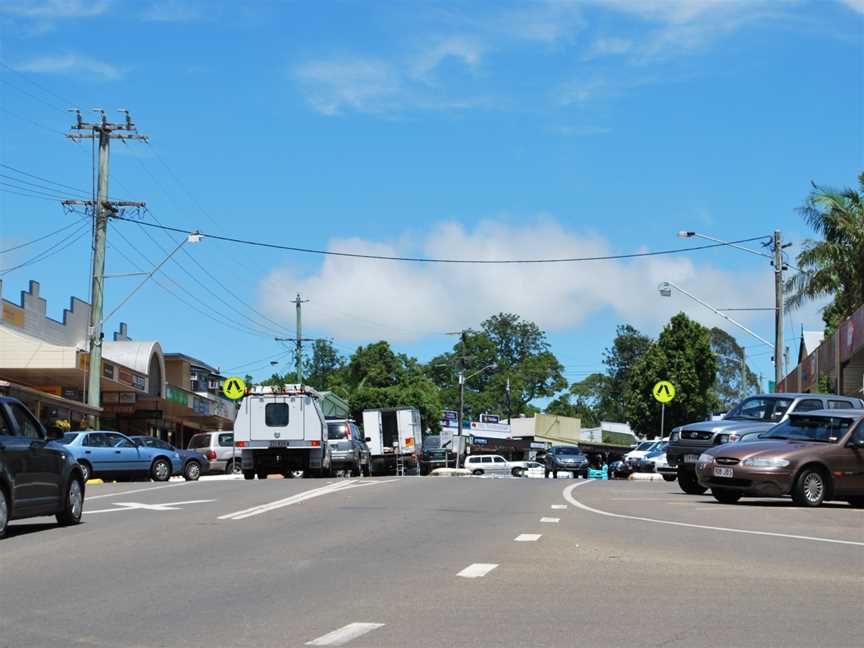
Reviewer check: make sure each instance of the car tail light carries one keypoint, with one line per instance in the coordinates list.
(211, 455)
(316, 444)
(239, 444)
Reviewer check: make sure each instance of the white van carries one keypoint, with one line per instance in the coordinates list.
(395, 437)
(282, 430)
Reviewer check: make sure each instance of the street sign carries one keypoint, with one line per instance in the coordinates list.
(234, 388)
(664, 391)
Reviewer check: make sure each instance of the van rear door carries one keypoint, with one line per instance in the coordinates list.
(276, 418)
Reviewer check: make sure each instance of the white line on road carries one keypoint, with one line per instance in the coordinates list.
(568, 495)
(527, 537)
(131, 506)
(138, 490)
(558, 507)
(344, 634)
(477, 570)
(550, 520)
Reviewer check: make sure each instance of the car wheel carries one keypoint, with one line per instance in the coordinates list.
(4, 512)
(73, 504)
(477, 471)
(160, 471)
(546, 474)
(725, 495)
(554, 474)
(367, 469)
(248, 474)
(810, 488)
(688, 483)
(232, 467)
(856, 502)
(192, 471)
(86, 471)
(261, 475)
(516, 472)
(356, 470)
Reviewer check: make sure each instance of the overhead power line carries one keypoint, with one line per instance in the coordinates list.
(42, 238)
(380, 257)
(52, 250)
(36, 177)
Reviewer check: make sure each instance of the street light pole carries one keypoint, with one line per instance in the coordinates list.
(462, 380)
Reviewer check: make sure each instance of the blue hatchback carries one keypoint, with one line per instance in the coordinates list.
(102, 453)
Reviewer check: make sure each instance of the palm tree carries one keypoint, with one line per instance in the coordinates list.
(834, 266)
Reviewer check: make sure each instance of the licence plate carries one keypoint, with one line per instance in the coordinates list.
(722, 472)
(690, 458)
(278, 444)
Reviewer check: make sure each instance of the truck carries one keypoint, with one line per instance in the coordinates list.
(396, 439)
(282, 429)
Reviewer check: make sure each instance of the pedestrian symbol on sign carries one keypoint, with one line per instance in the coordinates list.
(234, 388)
(664, 391)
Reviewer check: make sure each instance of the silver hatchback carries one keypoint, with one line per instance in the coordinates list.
(218, 447)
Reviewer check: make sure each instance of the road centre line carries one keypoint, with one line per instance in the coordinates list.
(344, 634)
(477, 570)
(527, 537)
(568, 495)
(294, 499)
(550, 520)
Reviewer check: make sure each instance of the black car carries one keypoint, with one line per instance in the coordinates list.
(436, 458)
(195, 464)
(37, 476)
(565, 459)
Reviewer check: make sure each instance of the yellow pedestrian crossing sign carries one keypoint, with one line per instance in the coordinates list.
(664, 391)
(234, 388)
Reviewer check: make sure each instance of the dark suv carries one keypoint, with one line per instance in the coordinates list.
(565, 459)
(751, 418)
(37, 476)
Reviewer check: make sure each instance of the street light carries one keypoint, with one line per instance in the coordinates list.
(779, 297)
(462, 380)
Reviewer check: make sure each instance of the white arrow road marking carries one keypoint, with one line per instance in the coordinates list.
(344, 634)
(477, 570)
(568, 495)
(131, 506)
(550, 520)
(300, 497)
(527, 537)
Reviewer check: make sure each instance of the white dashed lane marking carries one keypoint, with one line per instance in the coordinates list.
(477, 570)
(344, 634)
(550, 520)
(527, 537)
(558, 507)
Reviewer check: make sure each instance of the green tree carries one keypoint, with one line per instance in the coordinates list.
(681, 355)
(834, 266)
(582, 400)
(729, 385)
(628, 347)
(323, 365)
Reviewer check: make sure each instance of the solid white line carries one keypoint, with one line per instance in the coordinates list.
(558, 506)
(287, 501)
(550, 520)
(344, 634)
(527, 537)
(568, 495)
(137, 490)
(477, 570)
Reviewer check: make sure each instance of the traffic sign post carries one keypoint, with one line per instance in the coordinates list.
(664, 392)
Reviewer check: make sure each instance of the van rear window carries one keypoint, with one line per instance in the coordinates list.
(276, 414)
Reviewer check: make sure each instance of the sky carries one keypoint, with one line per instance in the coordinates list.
(462, 130)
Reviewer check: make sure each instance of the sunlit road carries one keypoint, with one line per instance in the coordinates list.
(432, 562)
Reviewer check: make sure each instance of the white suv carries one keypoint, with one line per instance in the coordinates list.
(218, 447)
(488, 465)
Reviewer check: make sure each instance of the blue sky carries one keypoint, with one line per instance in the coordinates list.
(464, 129)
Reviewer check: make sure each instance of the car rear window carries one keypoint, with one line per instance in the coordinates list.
(68, 438)
(226, 440)
(337, 431)
(276, 414)
(840, 404)
(200, 441)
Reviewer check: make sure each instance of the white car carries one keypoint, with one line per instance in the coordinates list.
(488, 465)
(530, 469)
(638, 453)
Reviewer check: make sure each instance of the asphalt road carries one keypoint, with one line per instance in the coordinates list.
(377, 562)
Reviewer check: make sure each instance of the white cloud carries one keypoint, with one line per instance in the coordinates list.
(855, 5)
(405, 298)
(55, 9)
(545, 21)
(72, 65)
(610, 46)
(171, 11)
(461, 48)
(365, 85)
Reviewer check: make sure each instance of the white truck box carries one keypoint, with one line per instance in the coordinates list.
(393, 431)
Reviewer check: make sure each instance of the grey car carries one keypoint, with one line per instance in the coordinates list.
(750, 418)
(218, 448)
(348, 447)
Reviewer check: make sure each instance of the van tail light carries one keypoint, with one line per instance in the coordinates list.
(316, 444)
(239, 444)
(211, 456)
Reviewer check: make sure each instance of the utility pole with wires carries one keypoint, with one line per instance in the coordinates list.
(102, 209)
(298, 340)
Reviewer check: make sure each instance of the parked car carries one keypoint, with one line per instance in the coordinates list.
(348, 449)
(487, 464)
(436, 458)
(111, 454)
(194, 464)
(532, 469)
(812, 456)
(37, 477)
(565, 459)
(632, 458)
(753, 416)
(655, 462)
(219, 449)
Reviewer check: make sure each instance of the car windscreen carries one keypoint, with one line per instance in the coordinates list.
(644, 446)
(200, 441)
(567, 450)
(826, 429)
(658, 450)
(761, 408)
(337, 431)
